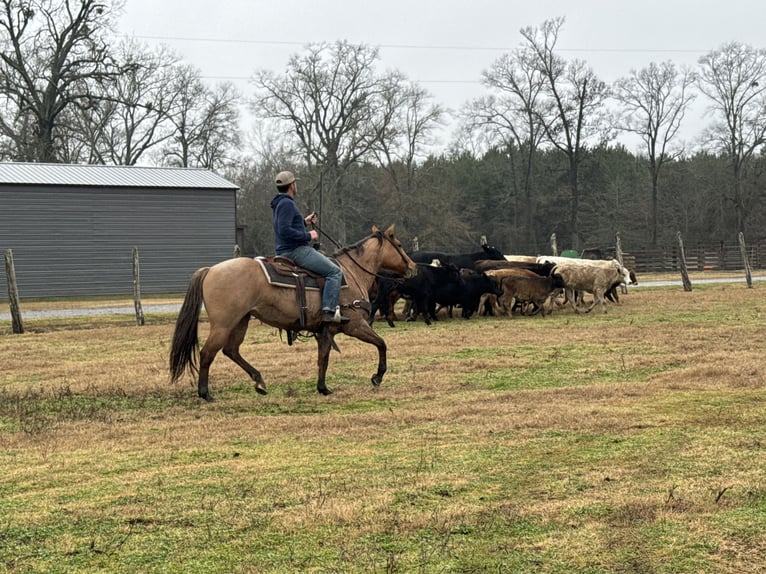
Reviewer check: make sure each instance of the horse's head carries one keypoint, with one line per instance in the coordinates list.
(393, 256)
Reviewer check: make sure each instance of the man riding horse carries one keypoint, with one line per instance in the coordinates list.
(291, 240)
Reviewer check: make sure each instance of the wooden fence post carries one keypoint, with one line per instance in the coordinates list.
(554, 247)
(745, 260)
(682, 263)
(415, 245)
(237, 250)
(618, 256)
(13, 293)
(137, 289)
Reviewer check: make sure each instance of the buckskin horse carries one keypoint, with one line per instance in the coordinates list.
(237, 289)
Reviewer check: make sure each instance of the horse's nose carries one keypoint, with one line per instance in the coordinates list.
(411, 272)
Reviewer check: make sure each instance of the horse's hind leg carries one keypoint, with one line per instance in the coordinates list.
(213, 344)
(324, 344)
(231, 350)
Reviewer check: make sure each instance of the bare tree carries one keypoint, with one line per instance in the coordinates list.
(734, 78)
(409, 117)
(508, 117)
(205, 122)
(653, 102)
(221, 134)
(572, 110)
(130, 116)
(52, 53)
(329, 104)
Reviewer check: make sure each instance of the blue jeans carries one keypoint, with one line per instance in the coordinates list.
(313, 260)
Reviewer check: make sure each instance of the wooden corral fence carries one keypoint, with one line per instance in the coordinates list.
(721, 257)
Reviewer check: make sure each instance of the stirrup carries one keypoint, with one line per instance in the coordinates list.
(334, 317)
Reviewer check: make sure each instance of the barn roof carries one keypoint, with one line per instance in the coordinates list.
(110, 176)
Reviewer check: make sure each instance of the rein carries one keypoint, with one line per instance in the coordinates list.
(340, 247)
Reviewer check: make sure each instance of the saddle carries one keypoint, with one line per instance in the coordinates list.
(283, 272)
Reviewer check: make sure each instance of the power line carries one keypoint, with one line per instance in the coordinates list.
(244, 78)
(420, 46)
(473, 48)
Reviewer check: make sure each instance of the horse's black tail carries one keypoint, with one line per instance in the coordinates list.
(184, 350)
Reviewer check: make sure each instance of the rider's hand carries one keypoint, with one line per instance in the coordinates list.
(311, 218)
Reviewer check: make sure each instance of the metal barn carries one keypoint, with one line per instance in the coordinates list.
(72, 228)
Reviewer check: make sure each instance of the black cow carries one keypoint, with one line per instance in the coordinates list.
(611, 293)
(543, 269)
(466, 294)
(384, 295)
(419, 290)
(422, 289)
(459, 260)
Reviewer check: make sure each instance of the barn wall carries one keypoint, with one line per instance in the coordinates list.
(71, 242)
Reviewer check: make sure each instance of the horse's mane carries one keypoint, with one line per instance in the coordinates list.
(359, 245)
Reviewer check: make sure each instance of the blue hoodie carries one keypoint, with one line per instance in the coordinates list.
(289, 227)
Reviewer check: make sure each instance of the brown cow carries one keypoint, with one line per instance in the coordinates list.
(524, 288)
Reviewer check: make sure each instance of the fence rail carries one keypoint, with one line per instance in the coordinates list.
(722, 257)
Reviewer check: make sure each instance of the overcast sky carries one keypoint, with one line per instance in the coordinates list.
(444, 45)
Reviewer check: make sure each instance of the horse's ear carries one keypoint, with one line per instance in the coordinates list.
(390, 230)
(375, 229)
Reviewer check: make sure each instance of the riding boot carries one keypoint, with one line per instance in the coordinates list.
(329, 316)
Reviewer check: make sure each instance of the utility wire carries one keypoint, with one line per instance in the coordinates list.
(406, 47)
(243, 78)
(421, 46)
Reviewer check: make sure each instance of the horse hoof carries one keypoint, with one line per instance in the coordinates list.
(261, 390)
(207, 398)
(376, 380)
(325, 391)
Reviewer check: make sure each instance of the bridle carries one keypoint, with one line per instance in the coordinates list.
(345, 250)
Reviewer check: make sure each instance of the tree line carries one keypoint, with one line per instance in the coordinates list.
(71, 93)
(536, 154)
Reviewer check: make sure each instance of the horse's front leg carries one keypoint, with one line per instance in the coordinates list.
(324, 344)
(362, 331)
(377, 378)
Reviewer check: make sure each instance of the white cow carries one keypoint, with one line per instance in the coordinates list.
(521, 258)
(593, 276)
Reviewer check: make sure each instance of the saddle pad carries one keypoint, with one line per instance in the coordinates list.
(279, 279)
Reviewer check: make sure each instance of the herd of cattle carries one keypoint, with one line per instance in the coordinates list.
(489, 283)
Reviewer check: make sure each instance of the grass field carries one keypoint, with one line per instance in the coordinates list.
(628, 442)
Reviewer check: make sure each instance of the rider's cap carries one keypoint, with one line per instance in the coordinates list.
(285, 178)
